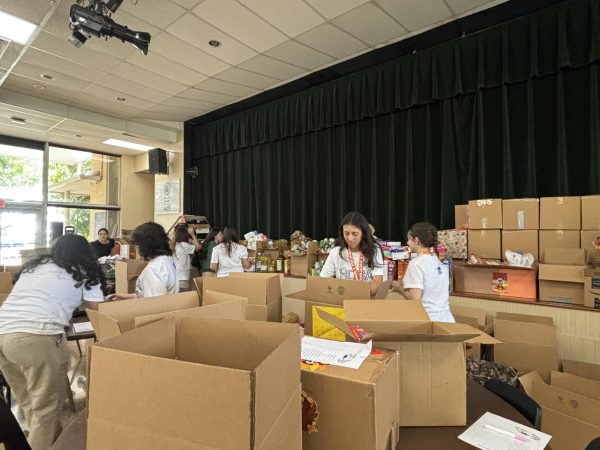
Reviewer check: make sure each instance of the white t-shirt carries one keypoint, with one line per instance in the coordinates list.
(338, 267)
(43, 301)
(426, 272)
(182, 253)
(159, 277)
(228, 264)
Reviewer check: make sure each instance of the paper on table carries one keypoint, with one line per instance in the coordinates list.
(503, 434)
(344, 354)
(82, 327)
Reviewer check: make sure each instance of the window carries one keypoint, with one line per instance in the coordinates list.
(21, 173)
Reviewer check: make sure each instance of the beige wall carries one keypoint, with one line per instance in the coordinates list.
(175, 172)
(137, 195)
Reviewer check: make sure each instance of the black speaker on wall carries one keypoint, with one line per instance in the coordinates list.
(56, 230)
(157, 161)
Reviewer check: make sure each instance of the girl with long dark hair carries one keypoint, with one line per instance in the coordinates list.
(183, 246)
(229, 256)
(212, 239)
(357, 256)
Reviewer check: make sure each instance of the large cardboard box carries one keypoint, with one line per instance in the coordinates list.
(565, 256)
(115, 318)
(432, 379)
(525, 241)
(474, 317)
(196, 383)
(560, 213)
(590, 242)
(496, 280)
(557, 239)
(265, 313)
(591, 286)
(126, 273)
(258, 288)
(485, 214)
(461, 216)
(300, 263)
(528, 343)
(561, 283)
(521, 214)
(485, 243)
(333, 291)
(581, 369)
(358, 409)
(590, 212)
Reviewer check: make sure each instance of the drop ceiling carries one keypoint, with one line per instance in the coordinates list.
(264, 43)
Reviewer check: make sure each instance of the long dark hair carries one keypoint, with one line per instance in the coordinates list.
(368, 246)
(426, 233)
(181, 235)
(151, 239)
(73, 254)
(230, 237)
(212, 233)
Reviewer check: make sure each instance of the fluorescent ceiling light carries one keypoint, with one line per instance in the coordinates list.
(125, 144)
(14, 29)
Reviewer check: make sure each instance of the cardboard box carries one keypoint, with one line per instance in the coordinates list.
(485, 243)
(591, 288)
(557, 239)
(590, 212)
(582, 369)
(496, 280)
(432, 379)
(265, 313)
(525, 241)
(521, 214)
(565, 256)
(333, 291)
(299, 264)
(560, 272)
(560, 213)
(461, 216)
(485, 214)
(6, 282)
(455, 242)
(473, 317)
(258, 288)
(579, 385)
(232, 310)
(126, 273)
(528, 343)
(198, 383)
(358, 409)
(590, 242)
(561, 283)
(115, 318)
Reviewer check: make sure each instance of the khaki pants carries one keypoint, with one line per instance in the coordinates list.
(35, 367)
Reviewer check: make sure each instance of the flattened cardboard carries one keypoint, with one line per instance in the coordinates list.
(461, 216)
(233, 310)
(521, 214)
(259, 288)
(582, 369)
(485, 214)
(485, 243)
(590, 212)
(578, 385)
(523, 241)
(483, 279)
(6, 282)
(560, 213)
(565, 256)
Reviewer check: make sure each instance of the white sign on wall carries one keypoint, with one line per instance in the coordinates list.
(166, 197)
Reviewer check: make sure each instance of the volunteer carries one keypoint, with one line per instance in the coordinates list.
(229, 256)
(357, 255)
(159, 277)
(212, 239)
(104, 245)
(33, 349)
(426, 278)
(183, 246)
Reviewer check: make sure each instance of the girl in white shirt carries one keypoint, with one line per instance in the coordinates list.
(426, 278)
(184, 245)
(229, 256)
(357, 255)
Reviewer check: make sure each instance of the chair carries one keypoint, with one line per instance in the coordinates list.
(518, 400)
(594, 445)
(11, 434)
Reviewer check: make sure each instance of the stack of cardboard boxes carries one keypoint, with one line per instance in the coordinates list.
(485, 226)
(561, 275)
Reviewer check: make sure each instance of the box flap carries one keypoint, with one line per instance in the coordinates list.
(561, 272)
(567, 402)
(565, 256)
(233, 310)
(544, 320)
(104, 326)
(573, 383)
(527, 381)
(259, 288)
(383, 289)
(582, 369)
(461, 329)
(214, 298)
(299, 295)
(385, 310)
(335, 291)
(471, 316)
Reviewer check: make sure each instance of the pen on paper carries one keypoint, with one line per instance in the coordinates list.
(518, 437)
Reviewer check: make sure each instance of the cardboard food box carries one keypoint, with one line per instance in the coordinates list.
(258, 288)
(565, 256)
(561, 283)
(127, 272)
(115, 318)
(591, 287)
(461, 216)
(300, 263)
(590, 212)
(590, 242)
(432, 381)
(485, 214)
(524, 241)
(474, 317)
(358, 409)
(528, 343)
(560, 213)
(581, 369)
(521, 214)
(485, 243)
(557, 239)
(198, 383)
(496, 280)
(455, 242)
(264, 313)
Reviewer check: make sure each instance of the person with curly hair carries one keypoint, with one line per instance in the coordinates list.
(159, 277)
(33, 349)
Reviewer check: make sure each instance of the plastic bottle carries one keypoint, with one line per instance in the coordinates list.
(287, 266)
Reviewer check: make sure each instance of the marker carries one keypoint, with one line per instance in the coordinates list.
(518, 437)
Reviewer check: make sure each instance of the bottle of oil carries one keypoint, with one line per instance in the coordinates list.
(279, 264)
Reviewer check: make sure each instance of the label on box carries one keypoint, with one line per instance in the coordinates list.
(500, 282)
(595, 283)
(521, 219)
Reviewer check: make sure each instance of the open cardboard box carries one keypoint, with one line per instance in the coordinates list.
(501, 280)
(432, 381)
(474, 317)
(195, 383)
(126, 273)
(263, 313)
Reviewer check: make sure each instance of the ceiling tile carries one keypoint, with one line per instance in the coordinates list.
(171, 116)
(197, 33)
(32, 74)
(461, 6)
(187, 4)
(10, 55)
(295, 53)
(31, 119)
(169, 69)
(382, 29)
(241, 23)
(149, 79)
(187, 55)
(28, 126)
(132, 87)
(207, 96)
(416, 14)
(158, 13)
(223, 87)
(110, 97)
(271, 67)
(22, 84)
(181, 102)
(334, 8)
(293, 17)
(31, 10)
(56, 64)
(95, 104)
(245, 78)
(332, 41)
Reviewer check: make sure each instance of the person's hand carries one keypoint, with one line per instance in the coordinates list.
(191, 231)
(116, 297)
(251, 259)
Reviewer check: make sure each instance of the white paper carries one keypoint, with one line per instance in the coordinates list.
(486, 439)
(82, 327)
(343, 354)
